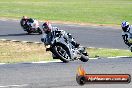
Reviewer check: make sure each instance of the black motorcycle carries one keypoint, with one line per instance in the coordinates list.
(62, 49)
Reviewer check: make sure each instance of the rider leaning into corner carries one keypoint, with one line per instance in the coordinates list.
(26, 22)
(53, 32)
(127, 33)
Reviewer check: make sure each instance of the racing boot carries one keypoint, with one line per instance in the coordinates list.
(75, 44)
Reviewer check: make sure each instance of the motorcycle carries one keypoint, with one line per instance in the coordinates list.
(128, 41)
(31, 27)
(62, 49)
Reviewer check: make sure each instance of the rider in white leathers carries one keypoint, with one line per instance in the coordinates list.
(127, 33)
(28, 22)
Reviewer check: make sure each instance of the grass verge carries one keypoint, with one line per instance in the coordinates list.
(13, 52)
(104, 52)
(87, 11)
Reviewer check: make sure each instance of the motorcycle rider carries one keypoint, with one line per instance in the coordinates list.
(26, 22)
(127, 33)
(52, 32)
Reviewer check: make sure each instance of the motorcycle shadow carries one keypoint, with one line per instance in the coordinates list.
(19, 34)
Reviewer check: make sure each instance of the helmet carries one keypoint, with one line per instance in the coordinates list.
(30, 20)
(24, 17)
(47, 27)
(125, 25)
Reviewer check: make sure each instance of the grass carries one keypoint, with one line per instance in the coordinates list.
(13, 52)
(86, 11)
(104, 52)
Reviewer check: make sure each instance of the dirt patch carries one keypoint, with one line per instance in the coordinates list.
(22, 52)
(84, 24)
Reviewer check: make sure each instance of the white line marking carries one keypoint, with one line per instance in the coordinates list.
(93, 58)
(15, 40)
(119, 57)
(8, 86)
(61, 61)
(38, 43)
(48, 61)
(2, 63)
(122, 56)
(111, 57)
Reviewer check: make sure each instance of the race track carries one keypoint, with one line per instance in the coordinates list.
(90, 36)
(63, 75)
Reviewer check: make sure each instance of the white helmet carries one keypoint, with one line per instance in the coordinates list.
(125, 26)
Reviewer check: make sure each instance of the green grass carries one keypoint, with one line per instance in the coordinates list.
(86, 11)
(104, 52)
(13, 52)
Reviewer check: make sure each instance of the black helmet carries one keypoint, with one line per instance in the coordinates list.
(46, 27)
(30, 20)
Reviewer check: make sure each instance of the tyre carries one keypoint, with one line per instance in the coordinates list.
(28, 31)
(84, 58)
(62, 52)
(39, 30)
(23, 25)
(131, 49)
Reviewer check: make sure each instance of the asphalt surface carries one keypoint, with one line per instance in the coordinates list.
(63, 75)
(90, 36)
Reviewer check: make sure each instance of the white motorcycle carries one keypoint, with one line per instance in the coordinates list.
(31, 27)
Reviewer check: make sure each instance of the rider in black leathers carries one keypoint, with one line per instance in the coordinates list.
(52, 32)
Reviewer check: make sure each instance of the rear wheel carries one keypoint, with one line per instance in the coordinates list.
(39, 30)
(62, 52)
(84, 57)
(131, 48)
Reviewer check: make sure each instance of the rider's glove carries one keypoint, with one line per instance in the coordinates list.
(58, 33)
(69, 35)
(42, 39)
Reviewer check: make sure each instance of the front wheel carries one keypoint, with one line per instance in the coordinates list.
(84, 58)
(28, 31)
(62, 52)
